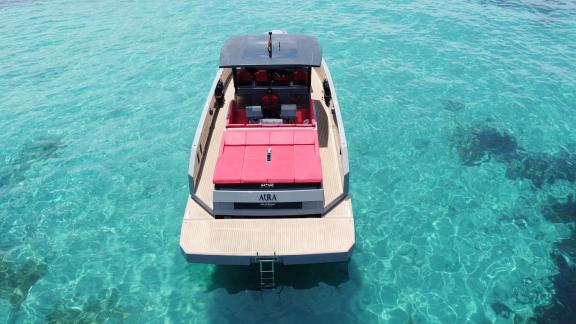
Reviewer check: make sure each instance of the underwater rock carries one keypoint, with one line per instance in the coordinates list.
(535, 167)
(558, 212)
(520, 220)
(453, 105)
(505, 312)
(542, 168)
(38, 150)
(421, 143)
(99, 309)
(542, 7)
(17, 279)
(567, 247)
(482, 142)
(563, 307)
(501, 310)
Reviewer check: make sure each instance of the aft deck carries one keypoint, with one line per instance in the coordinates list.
(292, 240)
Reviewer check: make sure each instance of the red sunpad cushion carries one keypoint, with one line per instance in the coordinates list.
(243, 157)
(282, 138)
(281, 168)
(307, 168)
(229, 165)
(257, 137)
(305, 137)
(235, 138)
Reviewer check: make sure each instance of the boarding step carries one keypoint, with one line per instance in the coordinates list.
(267, 272)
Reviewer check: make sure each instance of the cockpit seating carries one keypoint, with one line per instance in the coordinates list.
(300, 77)
(245, 77)
(271, 105)
(261, 77)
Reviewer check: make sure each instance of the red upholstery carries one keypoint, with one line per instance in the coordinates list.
(261, 76)
(300, 76)
(240, 117)
(295, 156)
(282, 167)
(301, 114)
(255, 167)
(245, 76)
(282, 137)
(311, 113)
(306, 168)
(232, 158)
(270, 101)
(236, 116)
(231, 110)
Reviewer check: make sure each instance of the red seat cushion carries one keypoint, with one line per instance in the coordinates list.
(261, 76)
(236, 115)
(240, 116)
(301, 114)
(270, 100)
(245, 76)
(300, 76)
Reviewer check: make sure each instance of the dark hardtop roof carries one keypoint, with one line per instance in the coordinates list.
(251, 51)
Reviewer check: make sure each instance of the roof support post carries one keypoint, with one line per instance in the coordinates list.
(234, 79)
(309, 78)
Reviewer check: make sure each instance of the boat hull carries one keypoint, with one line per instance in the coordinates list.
(245, 238)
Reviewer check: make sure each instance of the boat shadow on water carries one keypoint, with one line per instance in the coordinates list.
(236, 279)
(314, 293)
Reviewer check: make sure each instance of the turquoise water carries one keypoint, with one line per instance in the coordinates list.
(459, 119)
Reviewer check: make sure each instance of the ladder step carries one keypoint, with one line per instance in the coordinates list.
(267, 270)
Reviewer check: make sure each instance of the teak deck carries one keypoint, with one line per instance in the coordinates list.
(292, 240)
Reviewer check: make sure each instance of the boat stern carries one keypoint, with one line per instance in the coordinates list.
(242, 241)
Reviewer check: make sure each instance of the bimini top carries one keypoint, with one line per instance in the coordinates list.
(288, 50)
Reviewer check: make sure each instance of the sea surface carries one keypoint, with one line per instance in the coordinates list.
(460, 120)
